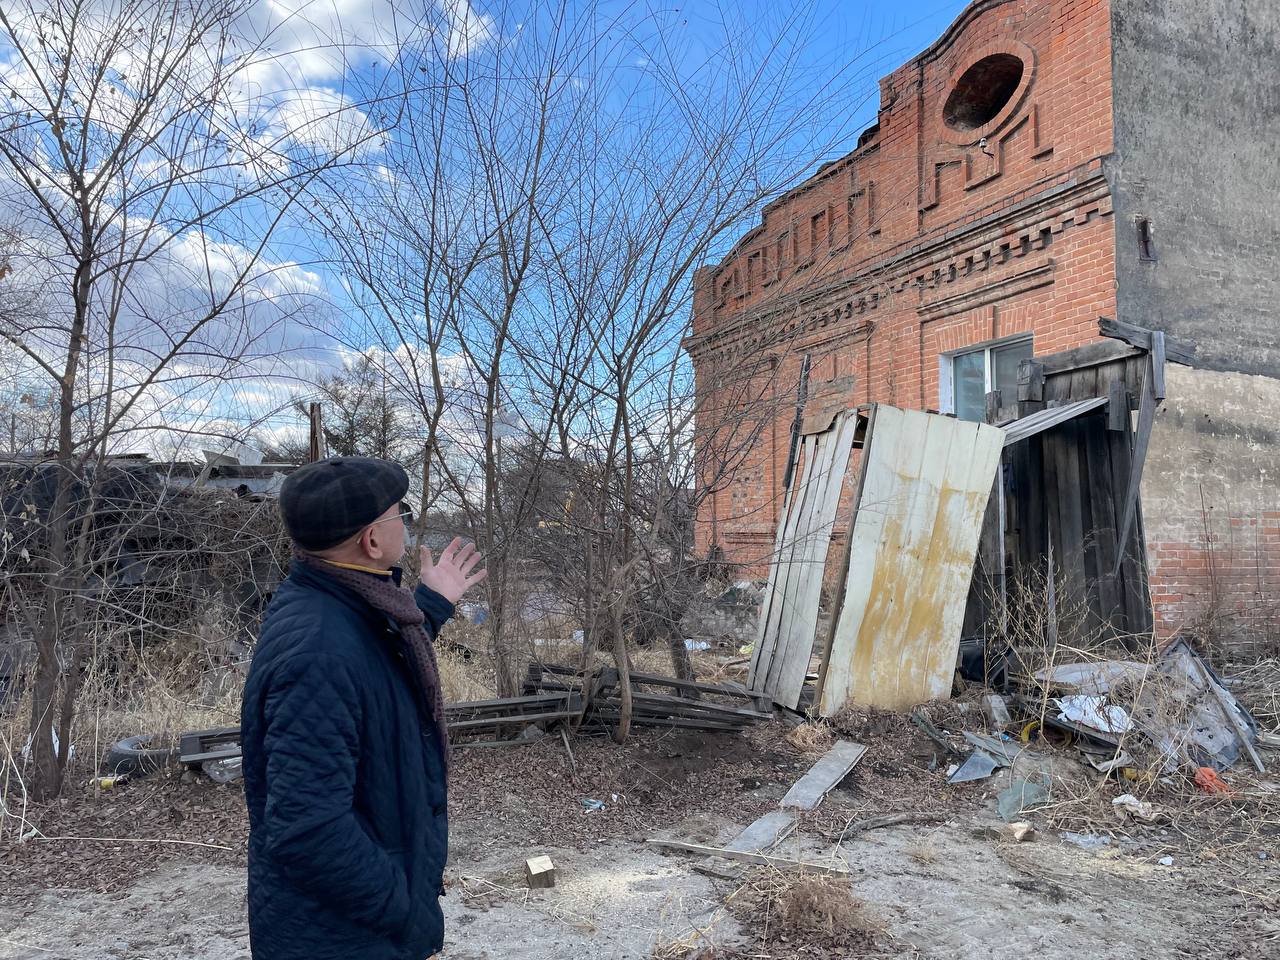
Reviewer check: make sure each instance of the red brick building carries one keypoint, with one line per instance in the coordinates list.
(1029, 172)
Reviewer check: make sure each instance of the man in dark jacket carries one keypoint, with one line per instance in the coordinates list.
(345, 746)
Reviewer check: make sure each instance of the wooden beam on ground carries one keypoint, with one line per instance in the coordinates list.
(512, 718)
(720, 688)
(760, 858)
(807, 792)
(685, 706)
(687, 723)
(469, 706)
(769, 830)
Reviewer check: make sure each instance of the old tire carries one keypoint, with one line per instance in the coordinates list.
(133, 758)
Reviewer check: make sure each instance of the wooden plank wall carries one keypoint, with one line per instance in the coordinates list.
(1067, 487)
(789, 619)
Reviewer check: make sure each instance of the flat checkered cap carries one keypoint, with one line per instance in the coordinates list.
(325, 502)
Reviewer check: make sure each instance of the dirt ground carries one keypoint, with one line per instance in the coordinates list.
(952, 884)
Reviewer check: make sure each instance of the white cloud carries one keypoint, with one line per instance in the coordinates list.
(324, 120)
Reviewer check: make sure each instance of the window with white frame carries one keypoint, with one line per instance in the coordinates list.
(969, 375)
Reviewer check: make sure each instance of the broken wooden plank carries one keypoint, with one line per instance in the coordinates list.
(1030, 381)
(684, 706)
(1146, 418)
(933, 733)
(780, 566)
(468, 706)
(759, 858)
(724, 689)
(769, 830)
(640, 720)
(1117, 406)
(866, 424)
(1089, 355)
(1140, 337)
(1158, 352)
(796, 633)
(483, 722)
(807, 792)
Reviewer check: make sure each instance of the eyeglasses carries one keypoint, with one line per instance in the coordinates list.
(405, 514)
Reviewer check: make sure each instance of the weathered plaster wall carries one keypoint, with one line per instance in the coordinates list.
(1197, 155)
(1211, 503)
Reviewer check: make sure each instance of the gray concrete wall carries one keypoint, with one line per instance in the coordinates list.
(1197, 151)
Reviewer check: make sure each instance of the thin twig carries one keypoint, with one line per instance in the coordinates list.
(186, 843)
(25, 946)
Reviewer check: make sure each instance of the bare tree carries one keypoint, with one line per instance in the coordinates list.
(524, 256)
(136, 156)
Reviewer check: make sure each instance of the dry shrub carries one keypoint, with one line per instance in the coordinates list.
(826, 906)
(1257, 687)
(127, 690)
(811, 737)
(803, 909)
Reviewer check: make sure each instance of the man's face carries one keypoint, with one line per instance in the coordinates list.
(384, 539)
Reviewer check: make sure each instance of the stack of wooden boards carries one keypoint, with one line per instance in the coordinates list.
(656, 701)
(495, 719)
(561, 696)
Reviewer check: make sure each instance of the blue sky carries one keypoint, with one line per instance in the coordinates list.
(845, 46)
(844, 49)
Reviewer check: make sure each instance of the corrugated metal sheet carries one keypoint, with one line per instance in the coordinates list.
(1042, 420)
(926, 481)
(789, 617)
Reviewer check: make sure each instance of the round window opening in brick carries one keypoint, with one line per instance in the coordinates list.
(982, 92)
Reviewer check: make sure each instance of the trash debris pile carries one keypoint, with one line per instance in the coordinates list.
(1126, 719)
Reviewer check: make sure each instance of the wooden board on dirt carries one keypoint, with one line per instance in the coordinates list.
(807, 792)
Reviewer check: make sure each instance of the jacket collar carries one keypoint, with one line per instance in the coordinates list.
(307, 576)
(395, 574)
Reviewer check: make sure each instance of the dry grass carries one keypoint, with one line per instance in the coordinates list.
(464, 678)
(691, 946)
(137, 692)
(819, 912)
(922, 851)
(811, 737)
(1257, 686)
(825, 906)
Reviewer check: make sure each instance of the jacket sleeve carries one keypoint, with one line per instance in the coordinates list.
(314, 834)
(434, 607)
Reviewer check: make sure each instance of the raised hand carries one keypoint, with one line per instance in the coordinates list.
(456, 572)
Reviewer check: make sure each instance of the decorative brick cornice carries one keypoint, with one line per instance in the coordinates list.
(987, 245)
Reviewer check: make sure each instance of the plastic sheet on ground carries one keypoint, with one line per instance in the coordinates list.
(1094, 712)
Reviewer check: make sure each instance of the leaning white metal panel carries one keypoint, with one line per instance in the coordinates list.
(794, 645)
(781, 656)
(912, 548)
(779, 568)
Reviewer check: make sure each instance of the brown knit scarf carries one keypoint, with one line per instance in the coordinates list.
(386, 596)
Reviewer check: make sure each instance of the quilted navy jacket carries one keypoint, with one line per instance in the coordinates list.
(344, 780)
